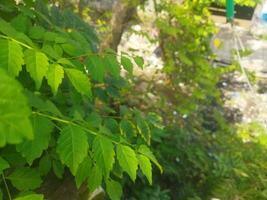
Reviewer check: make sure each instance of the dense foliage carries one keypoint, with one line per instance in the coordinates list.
(61, 107)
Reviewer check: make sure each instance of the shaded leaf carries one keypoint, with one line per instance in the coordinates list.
(143, 129)
(112, 65)
(31, 197)
(127, 128)
(25, 179)
(58, 168)
(3, 165)
(95, 178)
(96, 67)
(114, 189)
(36, 32)
(33, 149)
(94, 120)
(83, 171)
(50, 51)
(45, 165)
(42, 105)
(21, 23)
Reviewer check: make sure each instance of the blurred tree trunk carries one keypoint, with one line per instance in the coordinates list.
(123, 12)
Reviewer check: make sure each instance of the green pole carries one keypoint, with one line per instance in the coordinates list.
(230, 10)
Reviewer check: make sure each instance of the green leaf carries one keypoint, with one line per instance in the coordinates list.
(83, 171)
(139, 61)
(127, 160)
(71, 49)
(58, 50)
(114, 189)
(127, 128)
(11, 57)
(127, 64)
(66, 62)
(143, 149)
(103, 154)
(21, 23)
(50, 36)
(185, 59)
(8, 30)
(45, 165)
(95, 178)
(10, 154)
(112, 125)
(14, 112)
(42, 105)
(31, 197)
(80, 81)
(72, 147)
(112, 65)
(36, 32)
(77, 36)
(94, 120)
(58, 168)
(145, 166)
(36, 65)
(25, 179)
(33, 149)
(143, 129)
(96, 67)
(55, 75)
(3, 165)
(50, 51)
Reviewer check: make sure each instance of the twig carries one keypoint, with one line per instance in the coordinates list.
(6, 186)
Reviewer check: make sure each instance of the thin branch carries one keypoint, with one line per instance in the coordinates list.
(6, 186)
(78, 125)
(21, 43)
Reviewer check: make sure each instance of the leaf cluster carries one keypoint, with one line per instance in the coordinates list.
(60, 105)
